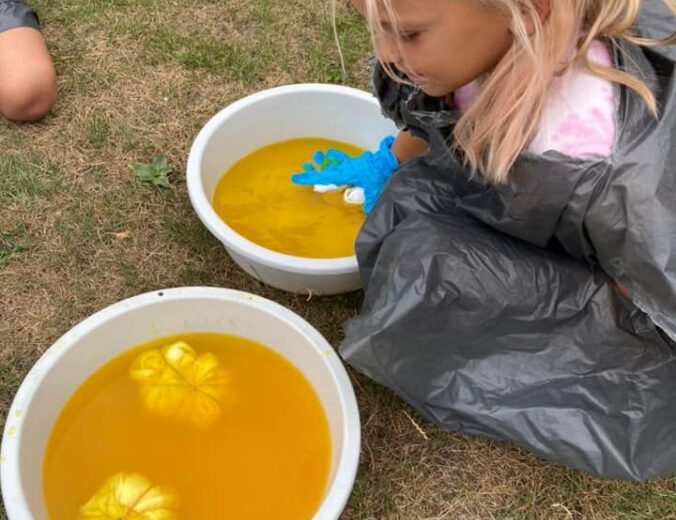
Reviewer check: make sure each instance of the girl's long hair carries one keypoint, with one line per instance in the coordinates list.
(501, 122)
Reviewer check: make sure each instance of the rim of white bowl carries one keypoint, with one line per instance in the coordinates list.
(337, 493)
(225, 233)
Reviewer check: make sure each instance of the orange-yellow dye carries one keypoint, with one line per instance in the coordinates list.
(265, 456)
(256, 198)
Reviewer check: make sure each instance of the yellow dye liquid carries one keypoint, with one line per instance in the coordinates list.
(256, 198)
(248, 440)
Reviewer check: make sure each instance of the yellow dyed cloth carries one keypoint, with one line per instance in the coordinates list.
(130, 496)
(177, 382)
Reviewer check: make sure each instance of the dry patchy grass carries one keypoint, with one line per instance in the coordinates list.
(138, 78)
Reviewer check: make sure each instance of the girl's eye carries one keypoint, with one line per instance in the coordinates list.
(410, 37)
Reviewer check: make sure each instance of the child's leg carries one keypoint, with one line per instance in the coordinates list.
(27, 77)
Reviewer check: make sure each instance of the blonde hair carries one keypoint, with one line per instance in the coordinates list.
(504, 117)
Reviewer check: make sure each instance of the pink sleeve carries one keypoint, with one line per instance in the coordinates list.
(578, 118)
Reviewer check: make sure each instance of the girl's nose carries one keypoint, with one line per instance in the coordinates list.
(387, 49)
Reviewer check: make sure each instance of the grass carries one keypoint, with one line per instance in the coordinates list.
(137, 79)
(26, 177)
(11, 243)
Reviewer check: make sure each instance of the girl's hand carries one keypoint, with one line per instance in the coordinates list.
(370, 171)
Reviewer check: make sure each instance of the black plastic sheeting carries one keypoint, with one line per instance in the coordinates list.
(491, 310)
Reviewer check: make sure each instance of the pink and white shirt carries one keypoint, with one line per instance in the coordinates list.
(578, 118)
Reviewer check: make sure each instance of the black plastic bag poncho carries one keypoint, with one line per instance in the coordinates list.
(491, 310)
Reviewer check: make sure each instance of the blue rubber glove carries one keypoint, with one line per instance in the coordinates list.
(369, 171)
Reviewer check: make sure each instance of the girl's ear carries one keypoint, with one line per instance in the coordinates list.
(543, 9)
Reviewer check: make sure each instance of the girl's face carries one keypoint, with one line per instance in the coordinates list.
(442, 44)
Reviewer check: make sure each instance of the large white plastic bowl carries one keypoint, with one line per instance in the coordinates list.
(106, 334)
(279, 114)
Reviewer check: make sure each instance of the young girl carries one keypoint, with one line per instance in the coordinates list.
(520, 265)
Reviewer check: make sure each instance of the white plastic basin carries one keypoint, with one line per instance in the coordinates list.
(279, 114)
(108, 333)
